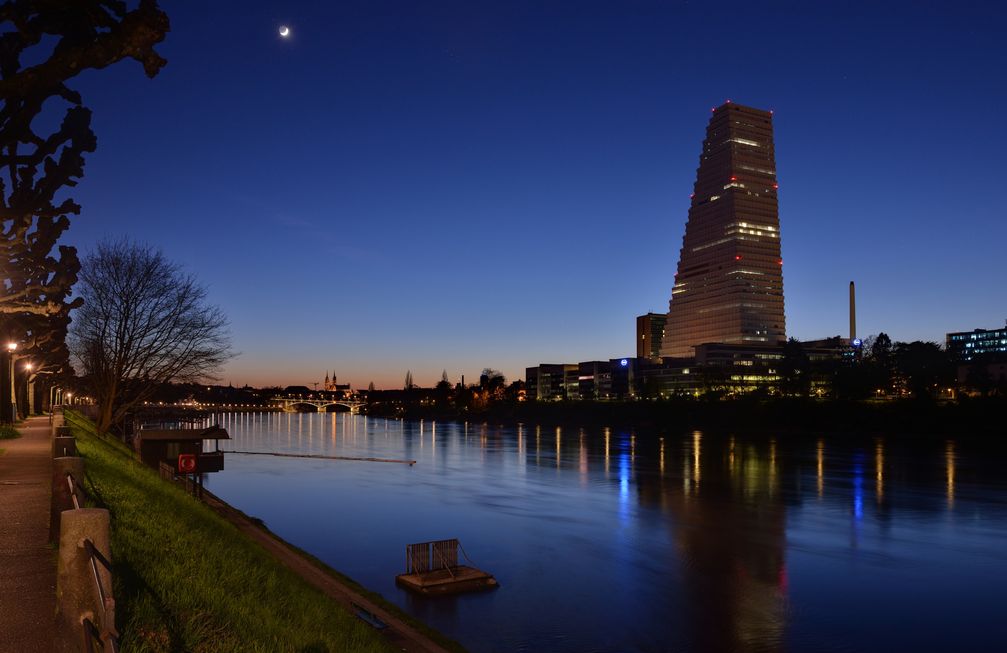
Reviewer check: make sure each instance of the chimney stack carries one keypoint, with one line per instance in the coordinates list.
(853, 312)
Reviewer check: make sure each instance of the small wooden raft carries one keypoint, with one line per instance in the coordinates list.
(432, 568)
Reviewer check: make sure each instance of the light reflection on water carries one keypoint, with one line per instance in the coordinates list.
(615, 540)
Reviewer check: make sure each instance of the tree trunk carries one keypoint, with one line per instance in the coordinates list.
(104, 415)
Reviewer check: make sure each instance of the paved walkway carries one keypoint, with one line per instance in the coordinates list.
(27, 562)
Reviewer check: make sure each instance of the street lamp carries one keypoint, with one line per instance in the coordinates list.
(53, 389)
(11, 346)
(29, 383)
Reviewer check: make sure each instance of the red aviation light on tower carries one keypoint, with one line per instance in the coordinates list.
(780, 262)
(733, 178)
(737, 257)
(776, 186)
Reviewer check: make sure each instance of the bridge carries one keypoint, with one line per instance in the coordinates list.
(320, 405)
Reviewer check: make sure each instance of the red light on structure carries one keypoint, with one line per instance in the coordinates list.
(780, 261)
(733, 178)
(777, 186)
(728, 102)
(691, 196)
(737, 257)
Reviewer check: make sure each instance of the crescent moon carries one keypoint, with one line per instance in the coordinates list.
(284, 31)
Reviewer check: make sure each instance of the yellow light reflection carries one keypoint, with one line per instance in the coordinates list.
(559, 437)
(821, 467)
(662, 456)
(696, 438)
(949, 459)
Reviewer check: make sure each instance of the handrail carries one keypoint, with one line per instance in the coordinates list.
(465, 554)
(91, 634)
(444, 561)
(107, 602)
(71, 483)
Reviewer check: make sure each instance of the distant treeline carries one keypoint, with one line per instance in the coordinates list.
(964, 417)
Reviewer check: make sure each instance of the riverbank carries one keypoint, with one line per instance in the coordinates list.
(190, 577)
(968, 417)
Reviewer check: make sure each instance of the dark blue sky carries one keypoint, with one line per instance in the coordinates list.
(469, 184)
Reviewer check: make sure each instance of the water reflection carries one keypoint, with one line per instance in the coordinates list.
(820, 458)
(949, 462)
(730, 537)
(879, 470)
(626, 540)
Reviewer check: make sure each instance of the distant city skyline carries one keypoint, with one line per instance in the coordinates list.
(398, 187)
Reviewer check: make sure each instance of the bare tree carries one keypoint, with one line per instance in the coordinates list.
(43, 46)
(143, 322)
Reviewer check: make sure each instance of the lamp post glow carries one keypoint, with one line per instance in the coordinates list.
(11, 346)
(29, 389)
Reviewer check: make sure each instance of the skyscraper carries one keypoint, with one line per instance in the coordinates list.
(650, 334)
(729, 285)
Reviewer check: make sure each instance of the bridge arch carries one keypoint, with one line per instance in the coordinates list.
(291, 404)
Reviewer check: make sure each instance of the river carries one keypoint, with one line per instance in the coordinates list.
(607, 540)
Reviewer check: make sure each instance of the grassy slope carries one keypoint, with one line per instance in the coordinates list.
(187, 580)
(8, 432)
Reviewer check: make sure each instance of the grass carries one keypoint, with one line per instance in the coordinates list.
(187, 580)
(8, 432)
(435, 635)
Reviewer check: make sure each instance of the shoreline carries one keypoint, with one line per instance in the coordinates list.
(794, 418)
(400, 632)
(117, 480)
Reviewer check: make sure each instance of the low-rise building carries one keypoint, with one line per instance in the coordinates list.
(552, 381)
(966, 345)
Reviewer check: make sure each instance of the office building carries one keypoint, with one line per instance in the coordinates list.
(650, 335)
(552, 381)
(966, 345)
(729, 285)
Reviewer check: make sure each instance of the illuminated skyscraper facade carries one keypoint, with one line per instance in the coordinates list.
(729, 285)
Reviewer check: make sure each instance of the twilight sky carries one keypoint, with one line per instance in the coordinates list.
(456, 185)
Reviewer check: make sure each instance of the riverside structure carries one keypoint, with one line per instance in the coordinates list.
(729, 284)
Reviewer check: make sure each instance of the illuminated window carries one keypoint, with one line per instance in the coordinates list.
(743, 141)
